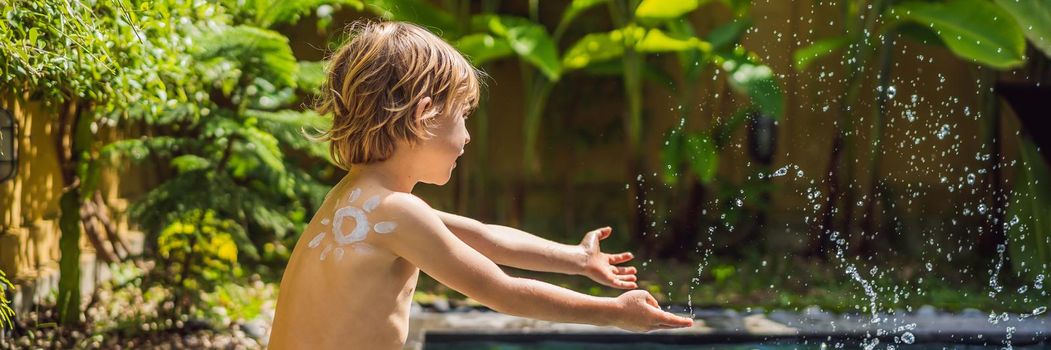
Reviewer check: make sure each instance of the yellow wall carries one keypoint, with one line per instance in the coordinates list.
(28, 216)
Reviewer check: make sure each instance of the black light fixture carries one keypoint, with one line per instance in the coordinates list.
(8, 150)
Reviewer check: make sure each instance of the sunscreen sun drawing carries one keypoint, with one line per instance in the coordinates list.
(358, 228)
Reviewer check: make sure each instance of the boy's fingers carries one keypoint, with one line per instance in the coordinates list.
(627, 278)
(620, 258)
(604, 232)
(622, 284)
(624, 270)
(676, 321)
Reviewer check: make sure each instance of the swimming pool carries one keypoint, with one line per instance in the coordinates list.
(512, 341)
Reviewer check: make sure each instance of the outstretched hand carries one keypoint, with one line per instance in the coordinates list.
(601, 267)
(641, 313)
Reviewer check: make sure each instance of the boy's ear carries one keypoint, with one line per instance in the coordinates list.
(421, 109)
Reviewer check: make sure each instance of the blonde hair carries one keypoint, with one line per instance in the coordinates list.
(375, 81)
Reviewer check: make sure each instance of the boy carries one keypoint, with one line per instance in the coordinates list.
(399, 96)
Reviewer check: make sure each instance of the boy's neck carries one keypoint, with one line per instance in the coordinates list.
(385, 174)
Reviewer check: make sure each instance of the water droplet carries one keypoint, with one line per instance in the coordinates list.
(943, 132)
(799, 173)
(970, 179)
(780, 172)
(908, 338)
(891, 91)
(1039, 310)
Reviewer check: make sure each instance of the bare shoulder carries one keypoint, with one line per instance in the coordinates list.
(407, 211)
(404, 204)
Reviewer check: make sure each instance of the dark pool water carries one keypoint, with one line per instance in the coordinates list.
(561, 345)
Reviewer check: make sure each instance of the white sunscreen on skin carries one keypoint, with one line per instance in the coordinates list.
(358, 230)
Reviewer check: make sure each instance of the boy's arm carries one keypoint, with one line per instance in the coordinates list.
(422, 239)
(511, 247)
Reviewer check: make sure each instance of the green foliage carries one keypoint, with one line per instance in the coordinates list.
(658, 10)
(241, 141)
(1029, 215)
(246, 52)
(105, 52)
(311, 75)
(819, 48)
(699, 150)
(199, 249)
(694, 150)
(748, 76)
(267, 13)
(233, 302)
(6, 313)
(727, 35)
(483, 47)
(722, 273)
(528, 39)
(211, 85)
(1034, 18)
(976, 30)
(599, 47)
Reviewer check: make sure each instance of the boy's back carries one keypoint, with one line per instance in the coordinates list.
(340, 290)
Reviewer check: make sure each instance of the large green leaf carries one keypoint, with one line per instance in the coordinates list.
(976, 30)
(657, 10)
(529, 40)
(656, 41)
(748, 76)
(820, 48)
(483, 47)
(593, 48)
(919, 33)
(1034, 16)
(1029, 214)
(598, 47)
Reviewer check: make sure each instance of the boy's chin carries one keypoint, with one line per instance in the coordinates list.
(438, 181)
